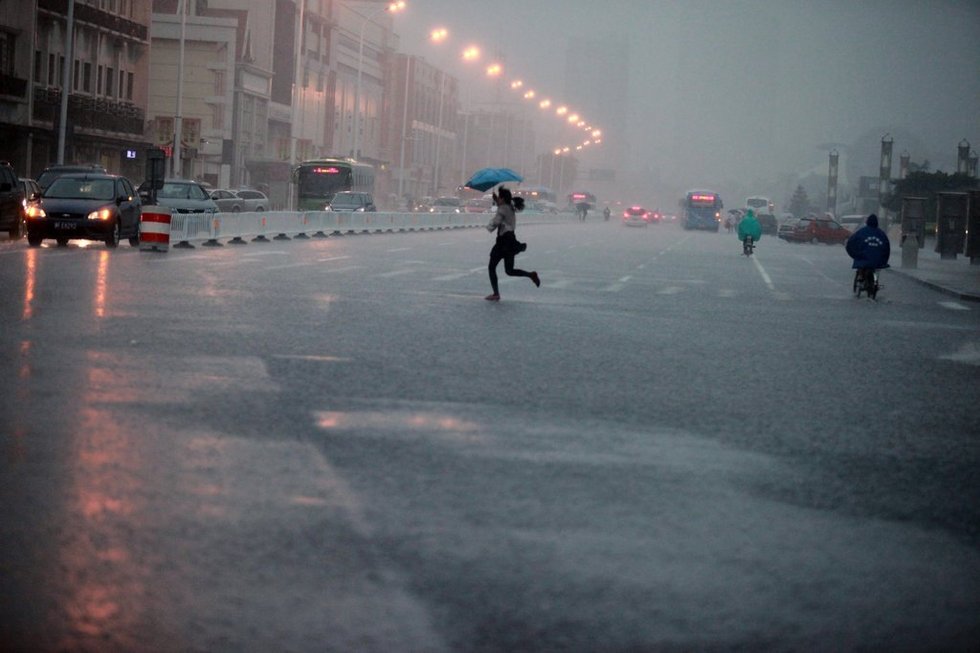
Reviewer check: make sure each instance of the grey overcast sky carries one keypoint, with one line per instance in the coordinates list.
(745, 89)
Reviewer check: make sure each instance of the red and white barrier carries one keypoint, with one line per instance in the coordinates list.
(155, 229)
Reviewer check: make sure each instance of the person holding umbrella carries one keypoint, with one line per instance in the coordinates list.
(507, 247)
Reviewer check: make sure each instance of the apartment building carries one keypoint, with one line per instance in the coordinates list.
(107, 62)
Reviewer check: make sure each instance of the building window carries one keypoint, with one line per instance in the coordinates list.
(76, 75)
(219, 83)
(110, 76)
(122, 83)
(61, 70)
(7, 41)
(38, 60)
(87, 77)
(218, 116)
(129, 86)
(98, 82)
(51, 69)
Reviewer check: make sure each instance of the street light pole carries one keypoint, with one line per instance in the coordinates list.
(178, 118)
(401, 160)
(435, 171)
(66, 79)
(391, 6)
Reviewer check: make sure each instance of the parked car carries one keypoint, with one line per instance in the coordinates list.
(813, 229)
(768, 223)
(11, 202)
(51, 173)
(786, 227)
(181, 195)
(90, 206)
(478, 205)
(423, 204)
(636, 216)
(446, 205)
(351, 201)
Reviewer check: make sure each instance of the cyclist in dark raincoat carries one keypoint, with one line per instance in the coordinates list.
(869, 246)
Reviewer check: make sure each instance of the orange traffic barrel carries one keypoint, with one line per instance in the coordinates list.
(155, 229)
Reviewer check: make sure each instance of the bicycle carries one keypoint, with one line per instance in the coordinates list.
(748, 245)
(866, 281)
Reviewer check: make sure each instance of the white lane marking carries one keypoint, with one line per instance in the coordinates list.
(318, 359)
(625, 279)
(726, 292)
(395, 273)
(344, 269)
(616, 287)
(400, 249)
(288, 265)
(955, 306)
(457, 275)
(332, 258)
(641, 266)
(762, 271)
(670, 290)
(562, 283)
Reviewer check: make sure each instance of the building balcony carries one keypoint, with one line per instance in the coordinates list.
(94, 16)
(86, 112)
(13, 87)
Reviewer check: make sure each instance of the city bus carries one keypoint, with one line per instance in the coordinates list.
(760, 205)
(702, 210)
(318, 180)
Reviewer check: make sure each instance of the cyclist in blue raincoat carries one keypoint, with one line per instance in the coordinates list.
(869, 246)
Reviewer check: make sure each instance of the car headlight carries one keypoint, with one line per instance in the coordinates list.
(36, 212)
(101, 214)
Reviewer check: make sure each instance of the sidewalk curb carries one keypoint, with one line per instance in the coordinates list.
(965, 296)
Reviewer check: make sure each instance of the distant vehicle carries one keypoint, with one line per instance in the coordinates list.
(255, 200)
(636, 216)
(181, 195)
(786, 227)
(318, 180)
(12, 203)
(233, 201)
(853, 222)
(702, 210)
(423, 204)
(768, 223)
(227, 200)
(582, 197)
(351, 201)
(814, 229)
(446, 205)
(478, 205)
(760, 204)
(91, 206)
(54, 171)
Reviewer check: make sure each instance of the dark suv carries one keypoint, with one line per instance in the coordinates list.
(11, 202)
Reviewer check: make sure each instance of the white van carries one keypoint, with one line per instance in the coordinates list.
(853, 222)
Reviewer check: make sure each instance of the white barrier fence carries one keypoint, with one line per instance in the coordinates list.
(238, 228)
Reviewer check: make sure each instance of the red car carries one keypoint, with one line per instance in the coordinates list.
(818, 230)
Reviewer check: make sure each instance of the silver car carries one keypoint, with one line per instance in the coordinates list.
(182, 195)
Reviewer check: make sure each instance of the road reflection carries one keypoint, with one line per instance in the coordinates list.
(105, 590)
(30, 279)
(101, 280)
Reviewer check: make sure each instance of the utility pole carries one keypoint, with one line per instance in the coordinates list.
(66, 79)
(178, 118)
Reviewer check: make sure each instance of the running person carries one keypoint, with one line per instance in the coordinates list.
(506, 247)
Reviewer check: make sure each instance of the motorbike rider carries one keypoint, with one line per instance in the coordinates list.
(749, 227)
(869, 247)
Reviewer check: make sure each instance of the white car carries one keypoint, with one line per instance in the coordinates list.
(446, 205)
(853, 222)
(182, 195)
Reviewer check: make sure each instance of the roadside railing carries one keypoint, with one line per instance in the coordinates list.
(216, 229)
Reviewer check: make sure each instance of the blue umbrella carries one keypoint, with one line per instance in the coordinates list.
(487, 178)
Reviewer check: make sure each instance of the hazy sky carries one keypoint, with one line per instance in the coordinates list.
(745, 89)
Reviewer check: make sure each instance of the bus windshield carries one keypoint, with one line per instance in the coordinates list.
(323, 181)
